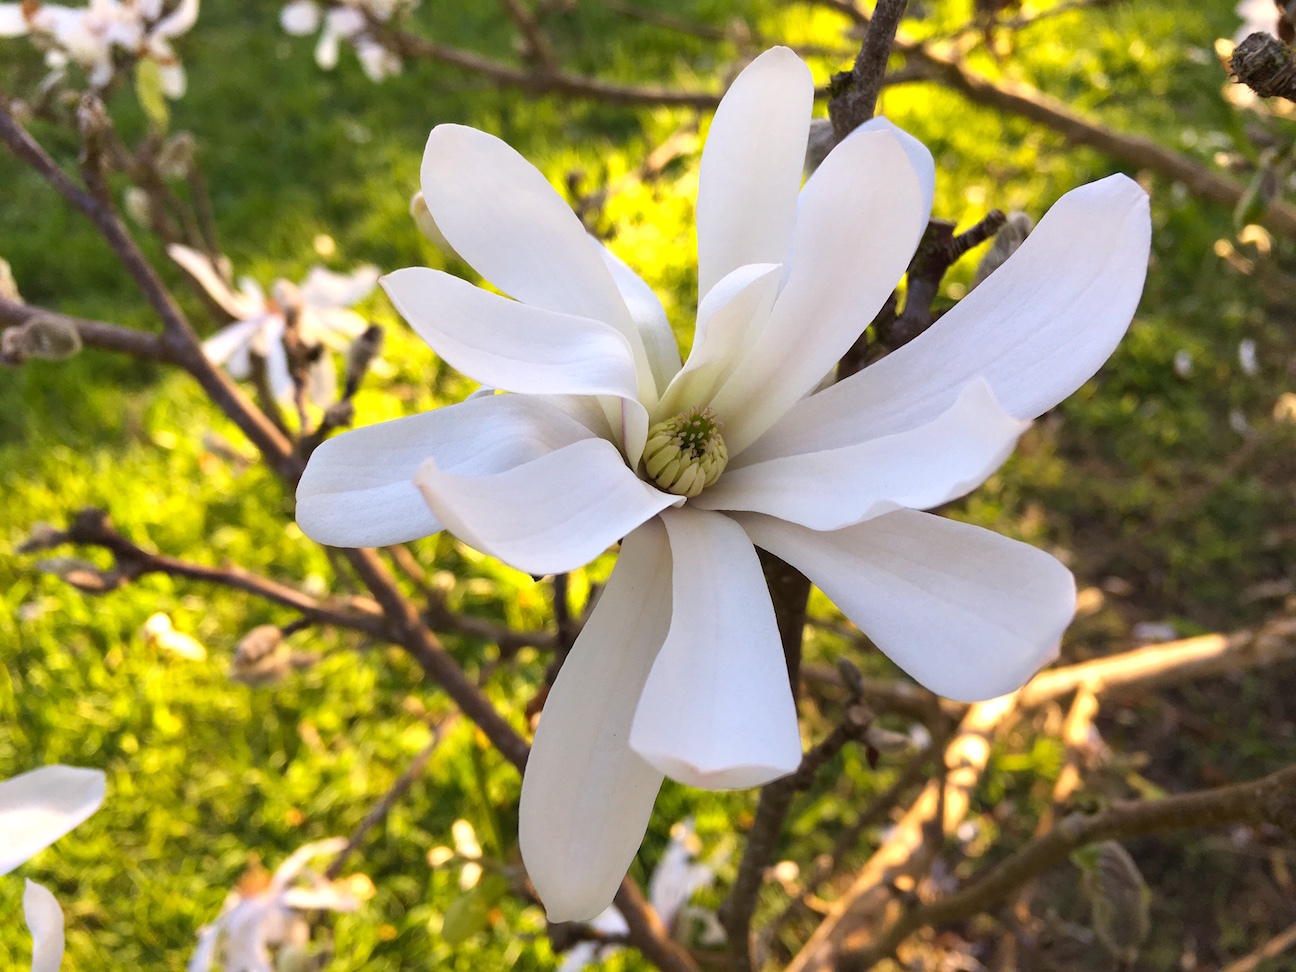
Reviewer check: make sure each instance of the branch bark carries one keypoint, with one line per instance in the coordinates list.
(94, 334)
(854, 95)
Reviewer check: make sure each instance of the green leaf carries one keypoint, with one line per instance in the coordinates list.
(467, 915)
(148, 88)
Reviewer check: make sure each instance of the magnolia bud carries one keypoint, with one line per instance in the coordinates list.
(1006, 241)
(45, 336)
(138, 206)
(175, 160)
(1120, 899)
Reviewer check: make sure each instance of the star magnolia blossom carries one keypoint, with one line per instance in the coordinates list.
(322, 303)
(87, 36)
(36, 809)
(347, 21)
(679, 670)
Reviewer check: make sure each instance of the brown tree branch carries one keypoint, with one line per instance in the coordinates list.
(94, 334)
(854, 95)
(1271, 800)
(1264, 64)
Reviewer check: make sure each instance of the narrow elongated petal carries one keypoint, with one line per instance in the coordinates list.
(717, 710)
(1036, 329)
(358, 488)
(502, 216)
(238, 305)
(858, 221)
(920, 158)
(222, 346)
(45, 922)
(751, 167)
(12, 21)
(509, 345)
(299, 18)
(324, 288)
(40, 806)
(732, 309)
(554, 513)
(586, 796)
(968, 613)
(178, 21)
(649, 316)
(918, 469)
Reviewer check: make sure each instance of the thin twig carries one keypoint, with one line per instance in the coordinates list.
(1271, 800)
(1270, 949)
(855, 94)
(94, 334)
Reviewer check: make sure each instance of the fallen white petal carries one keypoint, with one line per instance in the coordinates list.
(717, 710)
(751, 167)
(552, 514)
(45, 922)
(970, 614)
(40, 806)
(918, 469)
(1036, 329)
(358, 488)
(586, 796)
(859, 219)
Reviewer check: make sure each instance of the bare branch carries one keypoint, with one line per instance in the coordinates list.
(94, 334)
(855, 94)
(1264, 64)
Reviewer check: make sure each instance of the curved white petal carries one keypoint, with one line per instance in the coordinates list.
(729, 313)
(12, 21)
(751, 167)
(324, 288)
(509, 345)
(299, 18)
(717, 710)
(968, 613)
(1036, 329)
(40, 806)
(649, 316)
(321, 381)
(919, 469)
(181, 19)
(858, 221)
(222, 346)
(920, 158)
(502, 216)
(358, 488)
(239, 306)
(45, 922)
(326, 49)
(552, 514)
(586, 796)
(172, 79)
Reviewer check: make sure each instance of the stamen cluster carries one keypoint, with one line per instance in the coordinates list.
(686, 454)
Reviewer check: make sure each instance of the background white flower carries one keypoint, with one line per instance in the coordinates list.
(253, 922)
(36, 809)
(1258, 16)
(346, 21)
(322, 303)
(679, 670)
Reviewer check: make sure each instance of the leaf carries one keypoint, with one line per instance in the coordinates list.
(467, 915)
(148, 88)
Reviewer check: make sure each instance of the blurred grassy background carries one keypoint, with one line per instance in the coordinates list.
(205, 773)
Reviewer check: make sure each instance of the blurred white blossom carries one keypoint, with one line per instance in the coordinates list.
(255, 919)
(1247, 357)
(321, 304)
(91, 36)
(1258, 16)
(36, 809)
(1183, 364)
(346, 21)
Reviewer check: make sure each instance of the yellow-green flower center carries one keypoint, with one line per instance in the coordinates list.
(686, 454)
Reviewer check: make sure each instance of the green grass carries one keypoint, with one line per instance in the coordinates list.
(205, 773)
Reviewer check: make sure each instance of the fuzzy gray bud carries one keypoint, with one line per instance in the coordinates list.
(43, 336)
(1119, 898)
(175, 160)
(1012, 235)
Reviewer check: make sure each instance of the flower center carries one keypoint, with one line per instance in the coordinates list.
(686, 454)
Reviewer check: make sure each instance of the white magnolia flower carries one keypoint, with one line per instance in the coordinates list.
(679, 670)
(322, 303)
(36, 809)
(89, 36)
(1258, 16)
(250, 923)
(674, 881)
(345, 21)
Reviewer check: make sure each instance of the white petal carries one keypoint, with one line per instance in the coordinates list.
(586, 796)
(276, 361)
(178, 21)
(173, 80)
(40, 806)
(717, 710)
(300, 18)
(324, 288)
(225, 343)
(45, 921)
(1036, 329)
(326, 48)
(332, 326)
(920, 158)
(751, 167)
(649, 316)
(727, 317)
(919, 469)
(12, 21)
(321, 381)
(510, 345)
(358, 488)
(968, 613)
(552, 514)
(199, 266)
(859, 219)
(502, 216)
